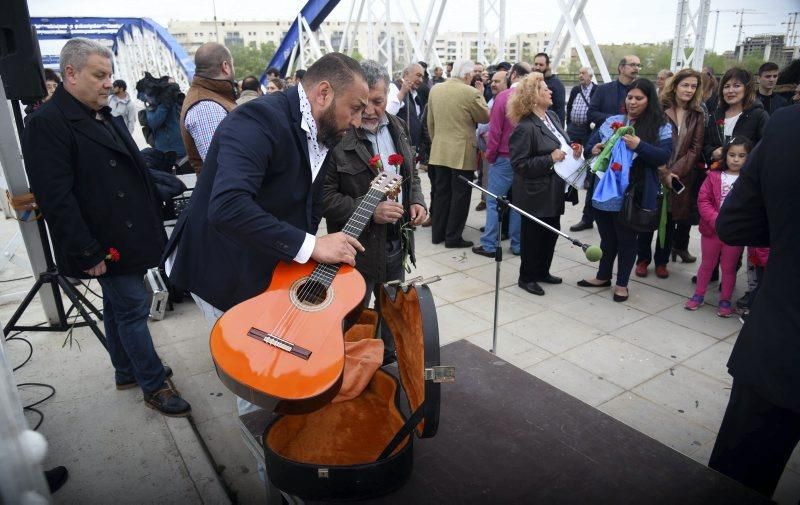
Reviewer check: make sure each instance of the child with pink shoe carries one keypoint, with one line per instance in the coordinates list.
(716, 187)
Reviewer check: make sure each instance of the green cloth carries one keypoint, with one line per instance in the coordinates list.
(604, 158)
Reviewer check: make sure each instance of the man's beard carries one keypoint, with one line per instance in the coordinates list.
(327, 132)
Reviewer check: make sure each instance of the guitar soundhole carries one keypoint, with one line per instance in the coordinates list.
(312, 293)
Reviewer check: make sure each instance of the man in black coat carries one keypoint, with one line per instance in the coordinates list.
(761, 426)
(96, 194)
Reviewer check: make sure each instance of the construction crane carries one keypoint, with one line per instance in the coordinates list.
(791, 29)
(716, 25)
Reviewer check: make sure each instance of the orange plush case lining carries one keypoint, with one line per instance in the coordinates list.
(357, 431)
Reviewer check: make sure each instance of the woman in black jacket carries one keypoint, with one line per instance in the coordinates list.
(535, 145)
(738, 114)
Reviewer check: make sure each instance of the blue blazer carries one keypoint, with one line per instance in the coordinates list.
(252, 206)
(607, 101)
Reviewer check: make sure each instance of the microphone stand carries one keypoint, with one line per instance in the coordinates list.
(502, 204)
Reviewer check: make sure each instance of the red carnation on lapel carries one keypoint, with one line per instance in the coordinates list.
(113, 255)
(375, 162)
(720, 122)
(395, 160)
(616, 166)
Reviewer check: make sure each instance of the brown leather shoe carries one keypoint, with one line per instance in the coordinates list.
(427, 223)
(167, 401)
(641, 269)
(481, 206)
(661, 271)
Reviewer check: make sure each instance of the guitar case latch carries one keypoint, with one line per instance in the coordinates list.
(440, 374)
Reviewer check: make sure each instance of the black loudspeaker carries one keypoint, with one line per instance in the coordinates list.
(20, 58)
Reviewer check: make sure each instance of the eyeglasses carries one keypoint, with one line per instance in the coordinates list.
(634, 65)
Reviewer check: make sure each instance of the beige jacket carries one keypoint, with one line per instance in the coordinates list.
(454, 110)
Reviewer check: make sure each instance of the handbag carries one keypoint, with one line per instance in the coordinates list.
(634, 216)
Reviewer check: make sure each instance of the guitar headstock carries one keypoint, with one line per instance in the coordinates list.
(387, 183)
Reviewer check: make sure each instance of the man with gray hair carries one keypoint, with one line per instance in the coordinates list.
(454, 110)
(96, 194)
(388, 240)
(406, 102)
(211, 96)
(580, 97)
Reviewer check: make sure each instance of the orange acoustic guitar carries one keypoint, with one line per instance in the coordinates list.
(288, 342)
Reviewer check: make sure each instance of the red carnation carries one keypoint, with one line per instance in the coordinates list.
(113, 255)
(395, 160)
(375, 162)
(616, 125)
(616, 167)
(720, 122)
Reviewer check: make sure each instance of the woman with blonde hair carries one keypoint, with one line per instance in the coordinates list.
(682, 100)
(537, 143)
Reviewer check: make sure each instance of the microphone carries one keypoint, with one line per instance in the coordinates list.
(592, 252)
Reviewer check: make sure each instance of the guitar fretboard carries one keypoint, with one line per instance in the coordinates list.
(325, 273)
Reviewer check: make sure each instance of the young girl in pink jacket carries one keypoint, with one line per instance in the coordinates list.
(713, 192)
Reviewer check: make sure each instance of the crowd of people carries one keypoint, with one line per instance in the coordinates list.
(660, 157)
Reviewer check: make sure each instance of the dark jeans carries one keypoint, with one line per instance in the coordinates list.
(394, 271)
(615, 240)
(128, 339)
(644, 241)
(537, 245)
(755, 440)
(451, 205)
(680, 234)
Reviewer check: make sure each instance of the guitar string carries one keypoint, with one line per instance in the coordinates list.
(323, 272)
(294, 316)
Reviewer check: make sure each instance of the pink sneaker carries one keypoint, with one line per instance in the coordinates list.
(725, 309)
(694, 303)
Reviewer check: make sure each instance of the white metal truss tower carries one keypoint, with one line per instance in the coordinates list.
(381, 46)
(141, 50)
(558, 47)
(309, 46)
(690, 33)
(491, 31)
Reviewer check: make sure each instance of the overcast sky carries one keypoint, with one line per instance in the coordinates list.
(612, 21)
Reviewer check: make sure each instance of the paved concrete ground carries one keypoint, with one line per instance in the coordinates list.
(646, 362)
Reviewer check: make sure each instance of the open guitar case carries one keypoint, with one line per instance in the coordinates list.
(363, 448)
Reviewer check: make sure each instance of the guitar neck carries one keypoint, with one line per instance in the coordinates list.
(363, 214)
(325, 273)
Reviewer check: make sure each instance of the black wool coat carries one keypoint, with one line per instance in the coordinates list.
(94, 193)
(758, 213)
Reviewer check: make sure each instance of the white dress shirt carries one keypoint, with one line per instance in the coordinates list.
(395, 104)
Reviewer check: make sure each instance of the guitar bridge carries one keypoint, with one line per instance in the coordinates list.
(280, 343)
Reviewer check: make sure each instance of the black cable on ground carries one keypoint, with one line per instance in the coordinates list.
(15, 336)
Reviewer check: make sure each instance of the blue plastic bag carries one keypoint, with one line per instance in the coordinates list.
(609, 192)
